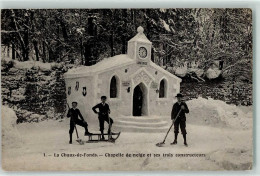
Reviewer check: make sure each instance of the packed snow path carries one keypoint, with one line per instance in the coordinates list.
(224, 148)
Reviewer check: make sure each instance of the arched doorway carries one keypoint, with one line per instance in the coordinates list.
(140, 107)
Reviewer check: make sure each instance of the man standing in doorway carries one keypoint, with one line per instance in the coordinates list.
(103, 115)
(180, 121)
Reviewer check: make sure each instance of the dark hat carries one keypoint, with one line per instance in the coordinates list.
(179, 95)
(74, 102)
(103, 97)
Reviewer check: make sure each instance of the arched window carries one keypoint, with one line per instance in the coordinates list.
(114, 87)
(162, 89)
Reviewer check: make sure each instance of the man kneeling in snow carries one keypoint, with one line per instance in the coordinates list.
(181, 119)
(74, 113)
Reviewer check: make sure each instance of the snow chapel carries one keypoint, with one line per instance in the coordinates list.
(134, 85)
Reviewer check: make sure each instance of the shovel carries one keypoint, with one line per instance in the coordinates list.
(160, 144)
(78, 139)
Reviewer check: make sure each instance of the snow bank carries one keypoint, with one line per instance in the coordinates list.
(166, 26)
(219, 114)
(181, 71)
(232, 158)
(37, 64)
(213, 73)
(32, 64)
(10, 133)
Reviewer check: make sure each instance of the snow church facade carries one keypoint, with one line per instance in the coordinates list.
(133, 84)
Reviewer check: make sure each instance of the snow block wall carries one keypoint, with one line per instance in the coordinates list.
(10, 135)
(36, 91)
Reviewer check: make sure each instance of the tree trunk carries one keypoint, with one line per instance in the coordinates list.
(35, 44)
(112, 43)
(26, 41)
(123, 37)
(23, 40)
(51, 55)
(13, 51)
(133, 17)
(34, 40)
(8, 51)
(87, 53)
(66, 38)
(43, 52)
(112, 34)
(81, 52)
(148, 26)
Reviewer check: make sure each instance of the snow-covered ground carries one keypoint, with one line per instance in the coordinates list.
(227, 145)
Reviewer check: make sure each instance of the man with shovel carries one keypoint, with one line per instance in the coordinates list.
(74, 114)
(181, 107)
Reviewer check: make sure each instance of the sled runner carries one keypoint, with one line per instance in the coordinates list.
(98, 137)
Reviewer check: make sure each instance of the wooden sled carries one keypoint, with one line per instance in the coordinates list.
(97, 137)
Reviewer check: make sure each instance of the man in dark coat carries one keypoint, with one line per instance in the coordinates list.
(181, 119)
(74, 114)
(103, 115)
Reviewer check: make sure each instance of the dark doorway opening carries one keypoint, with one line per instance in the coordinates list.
(137, 101)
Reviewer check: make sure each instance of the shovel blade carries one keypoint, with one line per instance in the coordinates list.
(111, 140)
(80, 141)
(160, 144)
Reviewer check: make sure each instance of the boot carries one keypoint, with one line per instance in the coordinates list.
(109, 131)
(102, 135)
(70, 142)
(185, 142)
(175, 139)
(87, 133)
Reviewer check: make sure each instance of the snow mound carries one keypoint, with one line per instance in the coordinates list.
(181, 71)
(232, 159)
(218, 114)
(27, 65)
(166, 26)
(213, 73)
(10, 133)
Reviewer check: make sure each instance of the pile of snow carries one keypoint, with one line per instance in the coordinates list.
(213, 73)
(218, 114)
(36, 64)
(181, 71)
(10, 134)
(162, 10)
(32, 64)
(166, 26)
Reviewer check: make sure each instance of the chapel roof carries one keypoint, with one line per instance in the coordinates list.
(105, 64)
